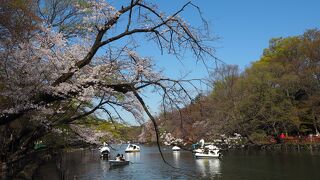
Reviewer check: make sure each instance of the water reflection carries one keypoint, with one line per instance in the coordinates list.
(147, 164)
(208, 167)
(133, 156)
(104, 165)
(176, 158)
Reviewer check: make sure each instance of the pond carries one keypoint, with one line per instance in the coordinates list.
(147, 164)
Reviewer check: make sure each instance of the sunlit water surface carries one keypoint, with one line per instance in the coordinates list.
(147, 164)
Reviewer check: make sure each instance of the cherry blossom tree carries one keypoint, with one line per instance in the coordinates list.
(84, 51)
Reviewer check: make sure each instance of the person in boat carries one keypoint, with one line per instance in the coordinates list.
(118, 157)
(122, 158)
(206, 151)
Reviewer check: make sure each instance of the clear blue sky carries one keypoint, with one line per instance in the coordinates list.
(244, 28)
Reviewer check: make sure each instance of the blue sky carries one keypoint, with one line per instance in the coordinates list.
(244, 28)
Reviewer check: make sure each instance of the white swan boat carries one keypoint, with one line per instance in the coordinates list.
(132, 148)
(176, 148)
(104, 150)
(210, 147)
(208, 154)
(199, 150)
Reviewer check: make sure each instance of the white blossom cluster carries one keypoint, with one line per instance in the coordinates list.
(236, 139)
(168, 139)
(90, 67)
(32, 67)
(97, 12)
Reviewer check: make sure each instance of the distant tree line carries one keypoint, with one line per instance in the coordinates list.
(280, 93)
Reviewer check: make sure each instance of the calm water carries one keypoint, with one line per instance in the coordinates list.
(147, 164)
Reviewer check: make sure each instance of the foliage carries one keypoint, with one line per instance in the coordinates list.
(259, 136)
(278, 93)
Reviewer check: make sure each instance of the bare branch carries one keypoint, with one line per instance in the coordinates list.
(156, 129)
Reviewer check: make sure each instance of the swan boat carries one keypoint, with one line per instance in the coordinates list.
(210, 147)
(208, 154)
(132, 148)
(104, 150)
(176, 148)
(198, 150)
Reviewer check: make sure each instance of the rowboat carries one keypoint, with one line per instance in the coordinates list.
(118, 163)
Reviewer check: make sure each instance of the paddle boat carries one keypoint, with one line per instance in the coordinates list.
(176, 148)
(201, 146)
(104, 150)
(132, 148)
(208, 153)
(198, 150)
(201, 150)
(211, 147)
(198, 147)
